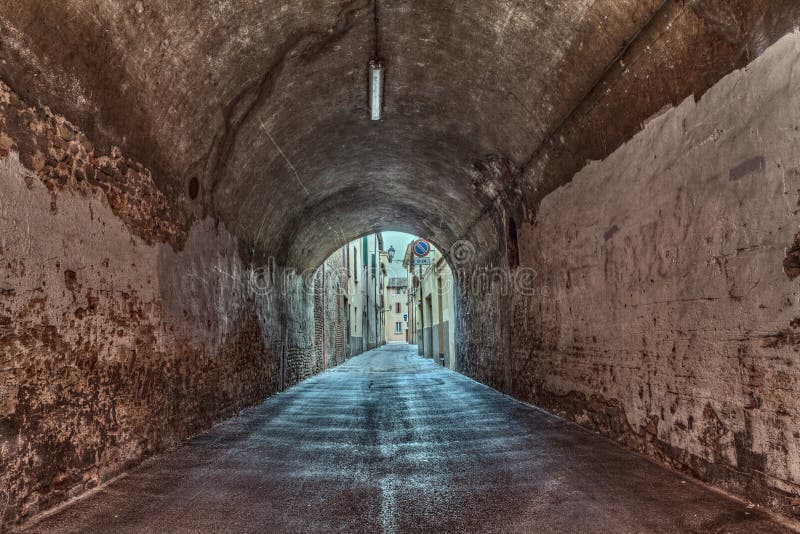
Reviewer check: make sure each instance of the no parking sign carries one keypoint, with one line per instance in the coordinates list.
(421, 248)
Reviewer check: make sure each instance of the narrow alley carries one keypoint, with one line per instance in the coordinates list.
(400, 266)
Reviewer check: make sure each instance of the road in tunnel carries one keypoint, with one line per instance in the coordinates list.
(613, 184)
(389, 441)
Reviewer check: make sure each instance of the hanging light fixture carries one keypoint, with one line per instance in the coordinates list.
(376, 72)
(375, 88)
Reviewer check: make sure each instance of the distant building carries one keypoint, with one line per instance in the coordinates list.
(396, 309)
(431, 306)
(363, 293)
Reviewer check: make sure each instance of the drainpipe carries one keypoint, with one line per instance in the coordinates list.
(324, 356)
(421, 312)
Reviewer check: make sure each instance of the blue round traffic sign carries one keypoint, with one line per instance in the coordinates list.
(421, 248)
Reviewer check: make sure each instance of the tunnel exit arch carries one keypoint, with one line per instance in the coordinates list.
(477, 275)
(340, 282)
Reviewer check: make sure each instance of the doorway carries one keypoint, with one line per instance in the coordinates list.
(440, 325)
(348, 349)
(429, 337)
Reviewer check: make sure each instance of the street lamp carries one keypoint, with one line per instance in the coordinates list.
(390, 253)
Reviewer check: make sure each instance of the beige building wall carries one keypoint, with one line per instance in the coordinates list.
(432, 308)
(396, 310)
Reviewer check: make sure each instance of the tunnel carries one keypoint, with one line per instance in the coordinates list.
(614, 186)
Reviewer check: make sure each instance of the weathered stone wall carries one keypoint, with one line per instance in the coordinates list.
(125, 324)
(334, 309)
(329, 314)
(663, 315)
(302, 295)
(318, 362)
(298, 335)
(483, 296)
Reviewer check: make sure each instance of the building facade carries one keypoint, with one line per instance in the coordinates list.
(397, 310)
(349, 299)
(363, 293)
(431, 306)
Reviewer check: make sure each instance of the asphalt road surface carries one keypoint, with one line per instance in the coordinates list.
(391, 442)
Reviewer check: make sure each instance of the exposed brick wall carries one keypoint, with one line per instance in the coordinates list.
(126, 325)
(664, 317)
(320, 351)
(299, 353)
(304, 312)
(335, 321)
(331, 307)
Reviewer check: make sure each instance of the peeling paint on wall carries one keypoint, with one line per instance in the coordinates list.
(669, 323)
(125, 326)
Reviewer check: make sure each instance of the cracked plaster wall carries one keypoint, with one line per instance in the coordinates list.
(126, 325)
(666, 314)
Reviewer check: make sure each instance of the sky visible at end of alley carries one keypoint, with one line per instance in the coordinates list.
(398, 240)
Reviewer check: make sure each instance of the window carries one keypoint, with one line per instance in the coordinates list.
(398, 327)
(397, 307)
(398, 291)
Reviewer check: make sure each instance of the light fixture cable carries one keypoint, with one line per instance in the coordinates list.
(376, 70)
(376, 31)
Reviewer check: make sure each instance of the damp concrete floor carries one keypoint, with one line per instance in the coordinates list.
(391, 442)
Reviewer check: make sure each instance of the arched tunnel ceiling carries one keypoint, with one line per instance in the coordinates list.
(266, 102)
